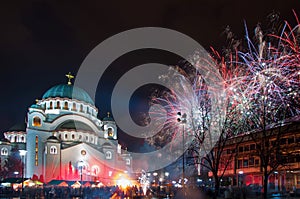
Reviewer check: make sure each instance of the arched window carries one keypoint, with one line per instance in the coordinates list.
(51, 105)
(16, 139)
(58, 105)
(74, 106)
(87, 110)
(22, 139)
(80, 137)
(53, 150)
(66, 136)
(127, 161)
(87, 138)
(73, 136)
(110, 132)
(66, 106)
(36, 121)
(108, 155)
(4, 151)
(95, 170)
(81, 108)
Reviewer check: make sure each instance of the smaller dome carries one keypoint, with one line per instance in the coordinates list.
(4, 141)
(18, 127)
(36, 106)
(108, 118)
(52, 138)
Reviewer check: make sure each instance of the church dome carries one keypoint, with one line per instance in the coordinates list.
(52, 138)
(68, 91)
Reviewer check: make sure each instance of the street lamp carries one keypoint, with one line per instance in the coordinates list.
(80, 165)
(181, 118)
(155, 174)
(22, 154)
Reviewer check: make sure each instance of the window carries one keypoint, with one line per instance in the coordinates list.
(66, 136)
(256, 162)
(87, 138)
(127, 161)
(80, 137)
(4, 151)
(36, 121)
(53, 150)
(58, 105)
(51, 105)
(283, 141)
(108, 155)
(81, 108)
(73, 136)
(252, 147)
(228, 151)
(251, 162)
(110, 132)
(245, 163)
(22, 139)
(66, 106)
(239, 164)
(291, 140)
(246, 148)
(241, 149)
(74, 107)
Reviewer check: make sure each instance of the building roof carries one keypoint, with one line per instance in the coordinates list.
(68, 91)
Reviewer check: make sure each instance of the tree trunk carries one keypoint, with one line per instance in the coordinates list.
(266, 176)
(217, 187)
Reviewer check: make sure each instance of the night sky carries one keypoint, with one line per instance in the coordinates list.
(41, 41)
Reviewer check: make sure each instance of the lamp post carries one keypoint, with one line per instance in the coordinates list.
(22, 154)
(80, 165)
(167, 183)
(181, 118)
(155, 174)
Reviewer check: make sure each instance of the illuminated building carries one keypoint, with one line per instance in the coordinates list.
(65, 139)
(245, 166)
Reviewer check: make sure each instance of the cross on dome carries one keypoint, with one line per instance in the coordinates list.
(69, 76)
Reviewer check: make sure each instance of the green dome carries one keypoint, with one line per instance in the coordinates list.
(68, 91)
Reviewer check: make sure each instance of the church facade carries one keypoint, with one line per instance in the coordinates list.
(64, 139)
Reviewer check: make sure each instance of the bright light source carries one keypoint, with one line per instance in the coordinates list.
(241, 172)
(22, 152)
(167, 174)
(123, 182)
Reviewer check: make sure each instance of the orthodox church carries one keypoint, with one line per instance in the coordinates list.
(64, 139)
